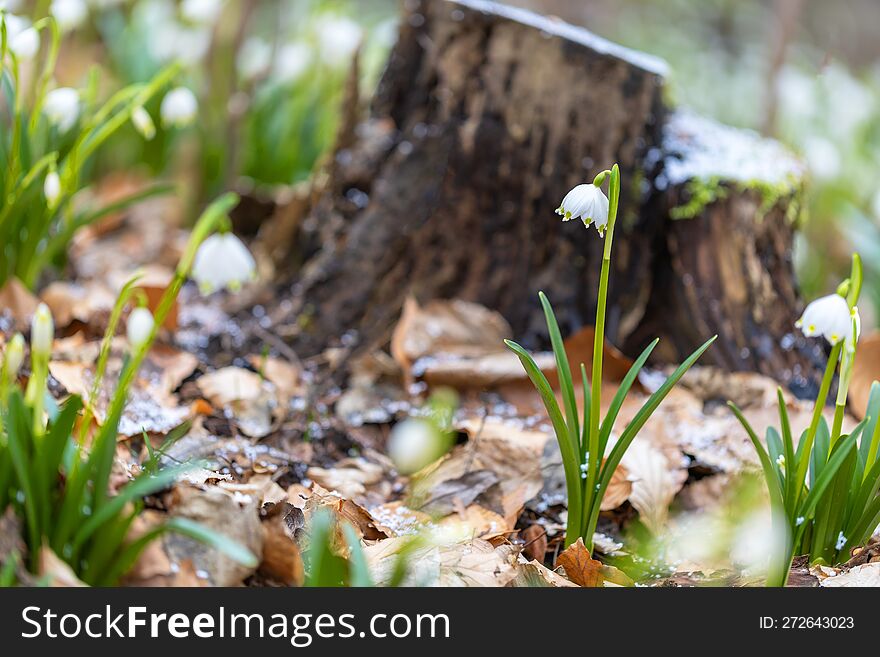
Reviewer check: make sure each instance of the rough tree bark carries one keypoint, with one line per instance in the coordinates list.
(484, 118)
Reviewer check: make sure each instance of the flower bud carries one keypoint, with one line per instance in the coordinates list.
(42, 331)
(413, 444)
(61, 107)
(139, 327)
(14, 356)
(178, 108)
(143, 123)
(52, 188)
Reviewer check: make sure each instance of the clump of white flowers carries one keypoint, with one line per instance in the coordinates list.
(143, 123)
(588, 203)
(61, 107)
(179, 108)
(201, 11)
(222, 261)
(139, 327)
(829, 316)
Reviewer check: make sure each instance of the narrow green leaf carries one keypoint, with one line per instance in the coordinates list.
(563, 370)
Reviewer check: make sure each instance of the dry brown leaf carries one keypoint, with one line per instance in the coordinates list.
(533, 574)
(154, 567)
(397, 519)
(350, 477)
(619, 489)
(285, 376)
(475, 522)
(346, 510)
(585, 571)
(89, 303)
(251, 400)
(655, 482)
(233, 516)
(865, 371)
(579, 348)
(535, 542)
(56, 571)
(282, 559)
(865, 575)
(18, 301)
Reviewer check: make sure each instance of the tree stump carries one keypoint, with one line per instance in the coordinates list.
(484, 118)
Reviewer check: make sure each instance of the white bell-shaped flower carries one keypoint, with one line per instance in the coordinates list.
(222, 261)
(828, 316)
(139, 327)
(69, 14)
(62, 106)
(338, 37)
(52, 188)
(292, 60)
(143, 123)
(179, 108)
(24, 40)
(42, 331)
(588, 203)
(254, 58)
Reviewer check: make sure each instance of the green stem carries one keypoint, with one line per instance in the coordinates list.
(821, 398)
(595, 459)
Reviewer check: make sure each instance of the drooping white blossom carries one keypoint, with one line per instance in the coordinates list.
(222, 261)
(69, 14)
(42, 331)
(179, 108)
(139, 327)
(588, 203)
(143, 123)
(52, 188)
(828, 316)
(62, 106)
(24, 40)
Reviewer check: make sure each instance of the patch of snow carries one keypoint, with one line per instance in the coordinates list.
(696, 147)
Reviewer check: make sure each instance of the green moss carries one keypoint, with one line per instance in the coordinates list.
(702, 192)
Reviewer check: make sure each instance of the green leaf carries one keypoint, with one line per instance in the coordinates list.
(826, 476)
(359, 571)
(620, 395)
(632, 429)
(563, 370)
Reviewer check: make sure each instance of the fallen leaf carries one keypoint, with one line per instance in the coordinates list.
(19, 302)
(865, 575)
(535, 541)
(585, 571)
(655, 482)
(282, 559)
(55, 571)
(350, 477)
(223, 513)
(89, 303)
(532, 574)
(579, 348)
(250, 399)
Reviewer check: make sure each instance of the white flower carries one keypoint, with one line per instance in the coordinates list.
(292, 60)
(143, 123)
(201, 11)
(24, 40)
(52, 188)
(222, 261)
(254, 59)
(780, 461)
(42, 331)
(139, 327)
(61, 106)
(179, 108)
(69, 14)
(413, 444)
(588, 203)
(828, 316)
(841, 541)
(338, 37)
(14, 356)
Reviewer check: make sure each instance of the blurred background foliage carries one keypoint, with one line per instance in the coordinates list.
(270, 75)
